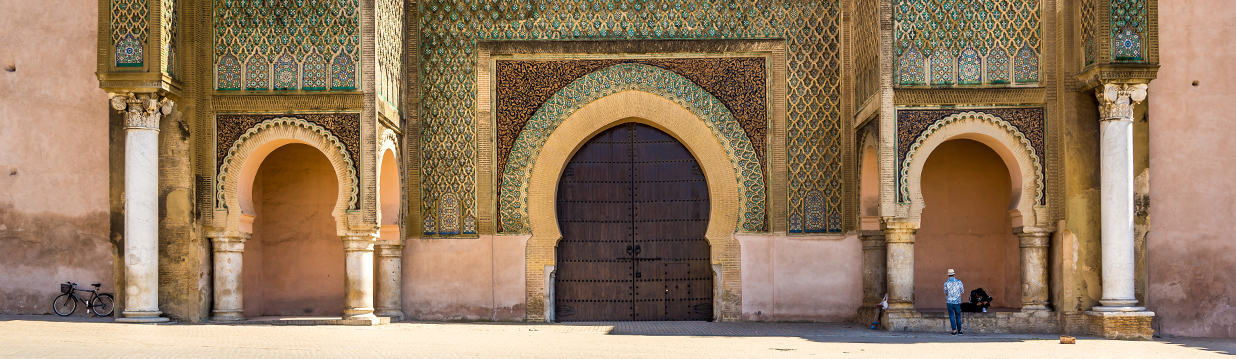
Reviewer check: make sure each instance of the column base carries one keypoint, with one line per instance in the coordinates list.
(867, 314)
(1118, 305)
(1121, 325)
(1034, 307)
(358, 313)
(396, 314)
(227, 316)
(135, 316)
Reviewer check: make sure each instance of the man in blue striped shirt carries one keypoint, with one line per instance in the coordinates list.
(952, 296)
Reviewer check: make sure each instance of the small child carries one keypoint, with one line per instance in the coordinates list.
(882, 306)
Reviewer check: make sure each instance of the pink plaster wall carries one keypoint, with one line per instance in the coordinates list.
(965, 226)
(464, 278)
(389, 185)
(53, 154)
(801, 278)
(1190, 246)
(293, 265)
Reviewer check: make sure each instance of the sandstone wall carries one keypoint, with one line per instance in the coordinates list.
(1192, 202)
(53, 155)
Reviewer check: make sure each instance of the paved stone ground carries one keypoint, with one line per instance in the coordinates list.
(76, 337)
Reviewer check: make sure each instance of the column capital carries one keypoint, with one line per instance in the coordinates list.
(360, 240)
(1031, 237)
(1116, 100)
(388, 250)
(142, 110)
(897, 231)
(230, 243)
(872, 239)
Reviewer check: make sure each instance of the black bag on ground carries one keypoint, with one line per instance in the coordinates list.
(979, 300)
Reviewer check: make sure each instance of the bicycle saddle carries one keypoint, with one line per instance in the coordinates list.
(96, 285)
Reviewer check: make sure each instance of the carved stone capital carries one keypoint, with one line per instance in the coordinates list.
(872, 240)
(229, 243)
(360, 241)
(899, 231)
(142, 110)
(1116, 100)
(388, 250)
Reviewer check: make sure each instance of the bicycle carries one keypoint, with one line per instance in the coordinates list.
(65, 304)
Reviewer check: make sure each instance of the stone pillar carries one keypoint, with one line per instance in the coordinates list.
(875, 283)
(899, 237)
(141, 204)
(1118, 316)
(358, 275)
(229, 282)
(389, 277)
(1116, 103)
(1033, 243)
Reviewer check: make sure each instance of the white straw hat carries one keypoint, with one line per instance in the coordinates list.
(951, 272)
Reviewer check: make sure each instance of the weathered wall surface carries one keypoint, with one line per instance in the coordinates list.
(53, 155)
(293, 265)
(1192, 194)
(793, 278)
(965, 226)
(464, 278)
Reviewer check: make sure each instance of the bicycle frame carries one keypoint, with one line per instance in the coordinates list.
(94, 294)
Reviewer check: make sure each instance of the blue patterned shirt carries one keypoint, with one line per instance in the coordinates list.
(952, 290)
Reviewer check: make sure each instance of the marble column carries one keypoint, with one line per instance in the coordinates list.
(1116, 103)
(899, 237)
(229, 282)
(141, 204)
(358, 275)
(389, 277)
(1033, 243)
(875, 283)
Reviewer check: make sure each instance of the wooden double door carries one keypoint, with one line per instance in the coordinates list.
(633, 209)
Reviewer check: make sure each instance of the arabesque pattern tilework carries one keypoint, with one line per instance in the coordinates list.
(389, 43)
(866, 49)
(946, 28)
(128, 27)
(1128, 26)
(622, 77)
(1089, 22)
(293, 35)
(170, 31)
(450, 30)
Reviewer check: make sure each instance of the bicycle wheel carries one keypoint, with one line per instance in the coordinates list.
(103, 305)
(64, 305)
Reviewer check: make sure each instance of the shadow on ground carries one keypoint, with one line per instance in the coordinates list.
(818, 332)
(75, 318)
(1217, 345)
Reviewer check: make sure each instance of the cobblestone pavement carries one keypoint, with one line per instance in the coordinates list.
(54, 337)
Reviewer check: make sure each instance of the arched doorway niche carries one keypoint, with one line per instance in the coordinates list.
(666, 116)
(966, 225)
(236, 210)
(1023, 207)
(293, 261)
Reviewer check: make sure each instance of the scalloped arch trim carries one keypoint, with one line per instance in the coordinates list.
(294, 128)
(1039, 186)
(513, 202)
